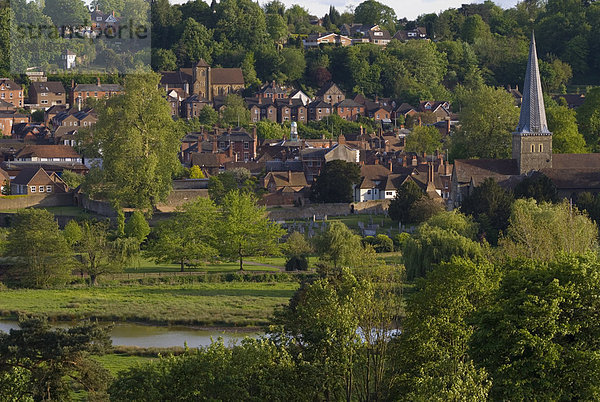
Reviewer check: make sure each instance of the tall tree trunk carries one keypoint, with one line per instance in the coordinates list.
(182, 265)
(93, 280)
(241, 258)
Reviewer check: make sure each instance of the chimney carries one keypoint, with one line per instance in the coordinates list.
(230, 150)
(341, 139)
(254, 133)
(414, 160)
(186, 88)
(260, 100)
(289, 176)
(361, 129)
(390, 165)
(424, 157)
(377, 161)
(330, 143)
(404, 163)
(429, 172)
(98, 80)
(448, 126)
(214, 145)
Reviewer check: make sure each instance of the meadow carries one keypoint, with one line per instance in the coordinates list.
(240, 304)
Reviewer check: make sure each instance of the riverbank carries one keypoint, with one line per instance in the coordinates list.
(221, 304)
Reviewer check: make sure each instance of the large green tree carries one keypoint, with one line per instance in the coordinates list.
(40, 254)
(488, 117)
(406, 196)
(335, 182)
(538, 338)
(424, 139)
(566, 138)
(42, 362)
(139, 143)
(588, 118)
(189, 237)
(373, 12)
(245, 230)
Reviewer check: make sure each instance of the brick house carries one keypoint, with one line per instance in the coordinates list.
(46, 94)
(37, 181)
(349, 110)
(330, 93)
(238, 144)
(192, 106)
(318, 109)
(11, 92)
(9, 119)
(81, 92)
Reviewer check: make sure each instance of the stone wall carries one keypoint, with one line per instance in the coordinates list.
(180, 197)
(98, 207)
(36, 200)
(320, 210)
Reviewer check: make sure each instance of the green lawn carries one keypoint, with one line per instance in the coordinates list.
(149, 266)
(118, 362)
(384, 222)
(207, 304)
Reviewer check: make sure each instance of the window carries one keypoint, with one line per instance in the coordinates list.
(246, 145)
(541, 148)
(48, 189)
(43, 94)
(388, 193)
(32, 189)
(532, 148)
(44, 101)
(246, 156)
(319, 110)
(88, 94)
(3, 95)
(41, 189)
(96, 94)
(368, 191)
(10, 95)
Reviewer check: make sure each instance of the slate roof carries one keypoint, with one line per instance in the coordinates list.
(328, 86)
(48, 86)
(237, 134)
(224, 76)
(27, 174)
(6, 106)
(532, 119)
(47, 151)
(348, 103)
(480, 169)
(175, 77)
(284, 179)
(98, 88)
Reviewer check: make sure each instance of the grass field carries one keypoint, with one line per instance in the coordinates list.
(118, 362)
(149, 266)
(206, 304)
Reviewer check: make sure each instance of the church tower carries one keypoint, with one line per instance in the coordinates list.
(201, 80)
(532, 141)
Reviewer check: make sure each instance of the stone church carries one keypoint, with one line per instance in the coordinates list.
(531, 152)
(204, 81)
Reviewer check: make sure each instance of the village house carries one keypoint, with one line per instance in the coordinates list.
(238, 144)
(330, 93)
(11, 92)
(315, 40)
(8, 119)
(318, 110)
(46, 94)
(47, 154)
(80, 92)
(285, 188)
(314, 159)
(36, 180)
(350, 110)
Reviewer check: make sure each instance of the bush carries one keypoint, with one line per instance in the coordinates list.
(297, 263)
(383, 244)
(368, 240)
(401, 239)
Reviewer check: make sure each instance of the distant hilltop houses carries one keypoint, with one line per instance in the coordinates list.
(359, 33)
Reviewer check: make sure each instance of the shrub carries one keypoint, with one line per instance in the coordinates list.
(400, 239)
(297, 263)
(383, 244)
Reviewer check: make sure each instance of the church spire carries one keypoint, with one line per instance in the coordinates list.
(532, 120)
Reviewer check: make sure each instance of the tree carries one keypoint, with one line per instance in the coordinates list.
(588, 118)
(432, 245)
(335, 182)
(372, 12)
(98, 253)
(406, 196)
(236, 113)
(537, 338)
(208, 116)
(490, 205)
(47, 360)
(488, 118)
(474, 28)
(139, 143)
(163, 60)
(72, 233)
(590, 203)
(195, 43)
(424, 139)
(545, 231)
(293, 65)
(342, 247)
(196, 172)
(267, 129)
(137, 227)
(189, 237)
(276, 27)
(245, 229)
(566, 138)
(431, 358)
(72, 179)
(41, 254)
(233, 179)
(67, 12)
(537, 186)
(296, 250)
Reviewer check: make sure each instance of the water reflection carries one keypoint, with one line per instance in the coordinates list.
(147, 336)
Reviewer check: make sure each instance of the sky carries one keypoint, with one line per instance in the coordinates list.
(410, 9)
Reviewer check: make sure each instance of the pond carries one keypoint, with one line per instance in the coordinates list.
(150, 336)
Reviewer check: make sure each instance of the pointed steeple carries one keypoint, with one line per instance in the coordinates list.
(532, 120)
